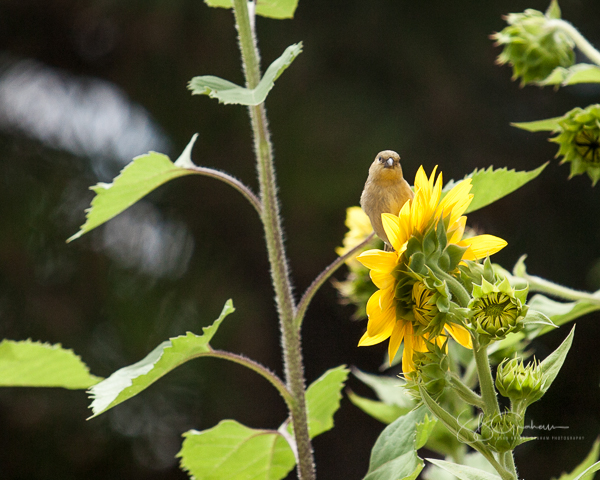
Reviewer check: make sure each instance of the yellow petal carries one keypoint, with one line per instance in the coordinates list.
(456, 201)
(481, 246)
(392, 228)
(457, 230)
(420, 178)
(383, 324)
(460, 334)
(378, 260)
(382, 279)
(367, 340)
(373, 304)
(407, 361)
(396, 339)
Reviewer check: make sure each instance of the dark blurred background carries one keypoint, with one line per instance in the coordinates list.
(87, 85)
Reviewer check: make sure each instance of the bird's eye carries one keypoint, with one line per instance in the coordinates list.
(381, 159)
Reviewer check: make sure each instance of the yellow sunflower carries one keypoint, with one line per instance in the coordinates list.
(425, 210)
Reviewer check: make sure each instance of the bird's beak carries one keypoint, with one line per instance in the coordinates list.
(389, 163)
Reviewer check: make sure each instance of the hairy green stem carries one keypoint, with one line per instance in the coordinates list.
(256, 367)
(538, 284)
(290, 335)
(234, 182)
(486, 382)
(322, 278)
(584, 46)
(455, 287)
(465, 392)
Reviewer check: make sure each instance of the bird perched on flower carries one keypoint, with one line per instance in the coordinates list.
(385, 191)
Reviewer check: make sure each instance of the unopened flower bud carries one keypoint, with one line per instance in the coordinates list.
(533, 46)
(503, 431)
(518, 382)
(497, 310)
(579, 140)
(431, 371)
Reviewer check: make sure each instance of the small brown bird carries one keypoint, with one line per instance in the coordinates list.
(385, 191)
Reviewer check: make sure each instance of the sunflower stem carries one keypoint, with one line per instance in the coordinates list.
(290, 335)
(322, 278)
(486, 382)
(584, 46)
(465, 392)
(455, 287)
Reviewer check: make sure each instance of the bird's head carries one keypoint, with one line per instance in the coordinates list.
(386, 165)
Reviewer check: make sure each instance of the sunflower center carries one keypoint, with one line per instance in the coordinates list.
(424, 308)
(496, 307)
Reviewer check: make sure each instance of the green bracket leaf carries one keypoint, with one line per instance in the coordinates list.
(388, 389)
(463, 472)
(323, 399)
(553, 362)
(580, 73)
(233, 451)
(278, 9)
(230, 93)
(546, 125)
(490, 185)
(144, 174)
(589, 461)
(587, 473)
(36, 364)
(129, 381)
(558, 312)
(394, 455)
(381, 411)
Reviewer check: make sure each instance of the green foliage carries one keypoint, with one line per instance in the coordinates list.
(278, 9)
(233, 451)
(129, 381)
(323, 399)
(394, 456)
(230, 93)
(463, 472)
(587, 462)
(559, 312)
(35, 364)
(553, 362)
(580, 73)
(546, 125)
(144, 174)
(490, 185)
(379, 410)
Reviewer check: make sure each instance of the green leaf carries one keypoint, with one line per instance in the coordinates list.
(144, 174)
(586, 474)
(424, 430)
(546, 125)
(233, 451)
(381, 411)
(491, 185)
(580, 73)
(388, 389)
(553, 10)
(323, 399)
(553, 362)
(394, 455)
(267, 8)
(559, 312)
(463, 472)
(589, 460)
(230, 93)
(472, 459)
(129, 381)
(35, 364)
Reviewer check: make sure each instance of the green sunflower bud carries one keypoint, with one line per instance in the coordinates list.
(518, 382)
(579, 140)
(497, 310)
(533, 46)
(502, 432)
(432, 371)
